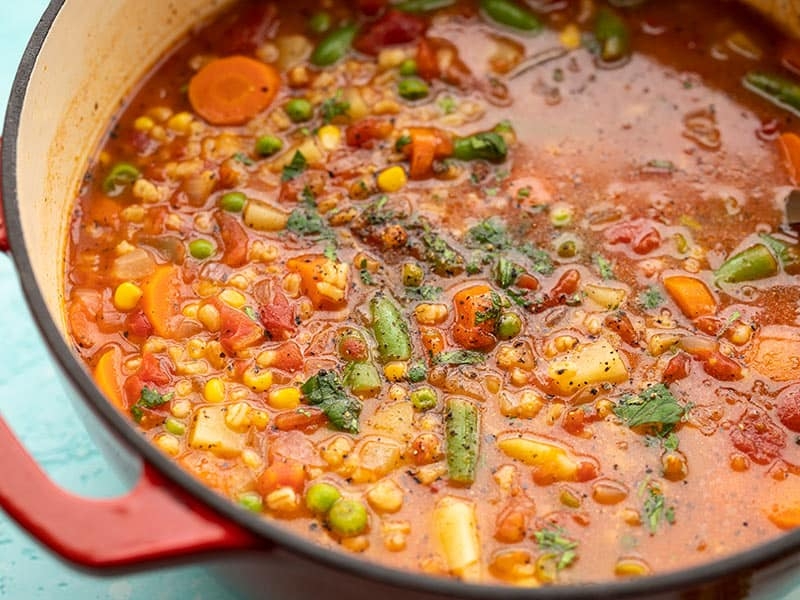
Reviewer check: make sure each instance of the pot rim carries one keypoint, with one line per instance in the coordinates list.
(743, 563)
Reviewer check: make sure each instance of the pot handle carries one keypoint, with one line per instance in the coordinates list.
(153, 521)
(3, 233)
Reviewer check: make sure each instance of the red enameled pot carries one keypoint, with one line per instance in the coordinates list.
(82, 59)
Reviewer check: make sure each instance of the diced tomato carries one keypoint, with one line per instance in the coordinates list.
(722, 367)
(393, 28)
(151, 370)
(289, 357)
(132, 389)
(476, 317)
(586, 471)
(306, 419)
(353, 348)
(757, 436)
(282, 473)
(620, 324)
(640, 234)
(677, 368)
(788, 402)
(565, 287)
(526, 281)
(237, 330)
(427, 64)
(709, 324)
(249, 29)
(138, 325)
(278, 317)
(647, 241)
(234, 239)
(364, 133)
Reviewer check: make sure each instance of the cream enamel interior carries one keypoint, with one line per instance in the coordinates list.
(93, 55)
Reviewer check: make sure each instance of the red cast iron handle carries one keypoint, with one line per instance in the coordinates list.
(3, 233)
(153, 521)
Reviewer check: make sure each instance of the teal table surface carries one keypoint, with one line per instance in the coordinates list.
(32, 400)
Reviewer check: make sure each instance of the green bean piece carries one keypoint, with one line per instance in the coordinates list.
(780, 90)
(613, 36)
(299, 110)
(233, 201)
(487, 145)
(333, 46)
(201, 249)
(511, 14)
(788, 255)
(756, 262)
(319, 22)
(174, 426)
(362, 378)
(347, 517)
(321, 496)
(390, 329)
(461, 439)
(417, 372)
(412, 88)
(508, 326)
(419, 6)
(120, 175)
(251, 501)
(424, 398)
(408, 67)
(267, 145)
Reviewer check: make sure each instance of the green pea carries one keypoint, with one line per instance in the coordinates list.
(233, 201)
(299, 109)
(251, 501)
(267, 145)
(321, 496)
(508, 326)
(333, 46)
(319, 22)
(567, 249)
(347, 517)
(174, 426)
(412, 88)
(408, 67)
(424, 398)
(417, 372)
(120, 175)
(201, 249)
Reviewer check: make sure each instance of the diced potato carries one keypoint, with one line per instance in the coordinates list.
(775, 353)
(210, 432)
(395, 419)
(606, 297)
(374, 459)
(551, 461)
(588, 364)
(264, 217)
(456, 529)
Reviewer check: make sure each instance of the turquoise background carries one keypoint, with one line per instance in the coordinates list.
(32, 400)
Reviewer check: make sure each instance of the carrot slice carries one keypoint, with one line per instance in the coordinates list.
(160, 300)
(790, 145)
(106, 373)
(691, 295)
(232, 90)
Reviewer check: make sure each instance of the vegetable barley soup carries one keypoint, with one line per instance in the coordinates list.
(476, 290)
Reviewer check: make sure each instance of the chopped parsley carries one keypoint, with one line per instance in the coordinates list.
(305, 220)
(492, 312)
(554, 541)
(540, 259)
(325, 390)
(424, 292)
(334, 107)
(295, 168)
(604, 266)
(655, 407)
(447, 105)
(148, 398)
(651, 298)
(489, 234)
(656, 510)
(243, 158)
(402, 142)
(459, 357)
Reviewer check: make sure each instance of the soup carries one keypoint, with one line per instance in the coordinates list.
(469, 289)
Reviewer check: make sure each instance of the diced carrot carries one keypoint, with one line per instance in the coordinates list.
(160, 300)
(427, 144)
(691, 295)
(234, 89)
(476, 317)
(324, 281)
(432, 340)
(282, 474)
(790, 145)
(106, 376)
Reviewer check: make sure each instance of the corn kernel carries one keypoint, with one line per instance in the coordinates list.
(336, 450)
(239, 281)
(191, 367)
(395, 371)
(258, 380)
(133, 213)
(146, 191)
(168, 443)
(284, 398)
(259, 419)
(232, 298)
(190, 310)
(386, 496)
(182, 408)
(196, 348)
(357, 543)
(127, 296)
(180, 122)
(209, 316)
(283, 500)
(160, 113)
(251, 458)
(214, 390)
(570, 37)
(329, 136)
(143, 124)
(237, 417)
(392, 179)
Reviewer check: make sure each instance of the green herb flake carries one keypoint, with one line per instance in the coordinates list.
(604, 266)
(424, 292)
(553, 540)
(651, 298)
(334, 107)
(402, 142)
(541, 262)
(490, 234)
(655, 509)
(447, 105)
(148, 398)
(654, 406)
(295, 168)
(241, 157)
(325, 390)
